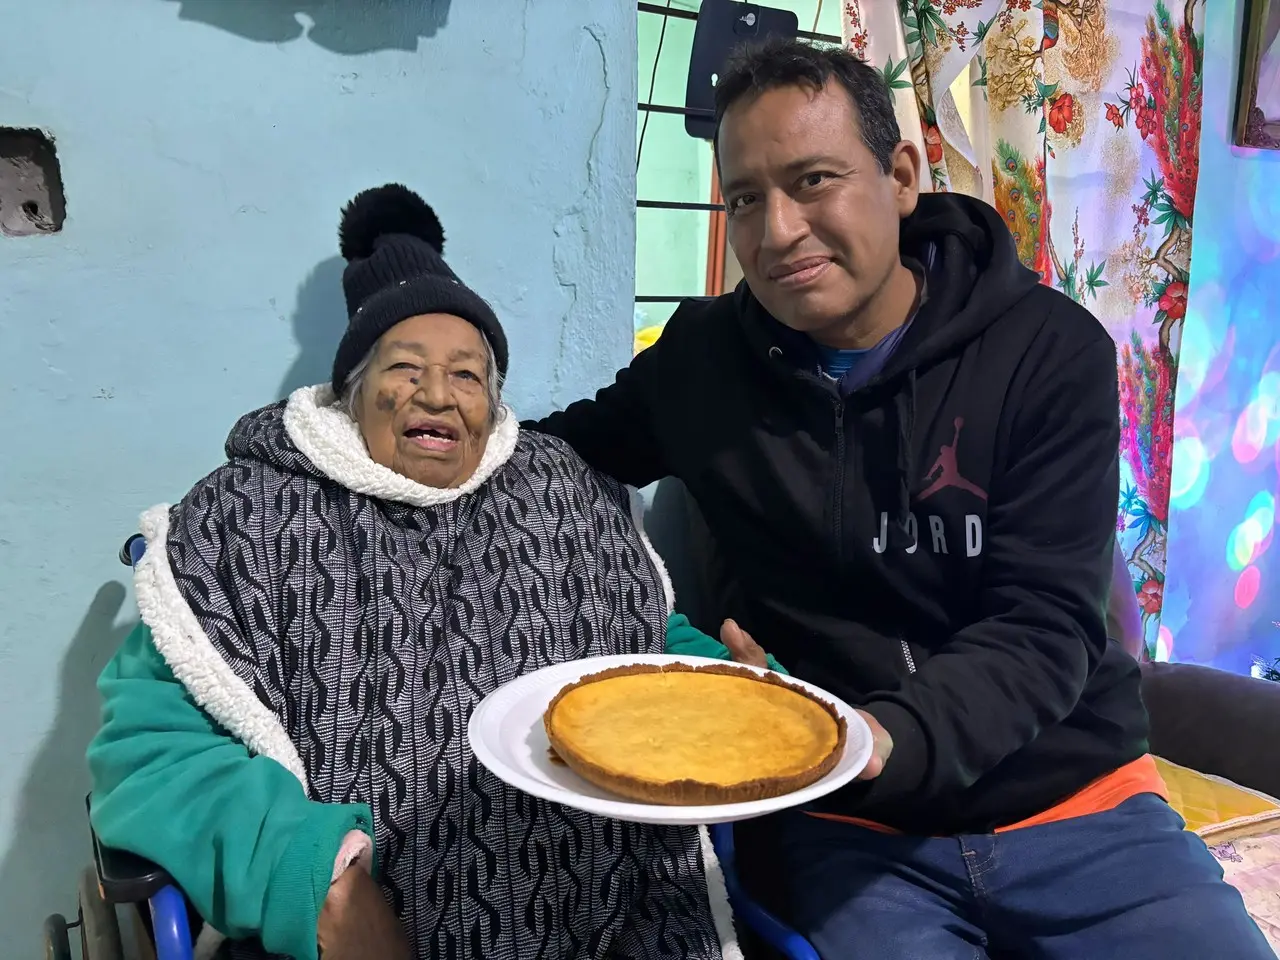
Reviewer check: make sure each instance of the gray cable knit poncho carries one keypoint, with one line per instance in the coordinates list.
(345, 621)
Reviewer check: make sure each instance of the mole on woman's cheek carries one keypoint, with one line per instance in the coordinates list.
(385, 402)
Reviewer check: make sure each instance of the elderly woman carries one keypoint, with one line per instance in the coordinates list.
(323, 612)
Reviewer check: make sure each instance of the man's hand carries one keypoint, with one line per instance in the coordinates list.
(881, 747)
(357, 923)
(741, 646)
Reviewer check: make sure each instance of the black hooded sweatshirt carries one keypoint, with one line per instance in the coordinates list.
(933, 546)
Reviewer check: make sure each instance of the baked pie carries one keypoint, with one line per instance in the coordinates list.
(676, 734)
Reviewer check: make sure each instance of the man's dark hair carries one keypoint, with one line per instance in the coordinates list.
(778, 62)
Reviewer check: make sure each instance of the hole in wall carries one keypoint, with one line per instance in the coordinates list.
(31, 198)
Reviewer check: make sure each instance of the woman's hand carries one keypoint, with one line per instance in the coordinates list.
(742, 648)
(357, 923)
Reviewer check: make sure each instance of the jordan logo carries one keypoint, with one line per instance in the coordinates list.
(945, 473)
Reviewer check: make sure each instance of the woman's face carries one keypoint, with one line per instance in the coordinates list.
(424, 405)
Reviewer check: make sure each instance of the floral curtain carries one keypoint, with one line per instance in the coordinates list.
(1080, 122)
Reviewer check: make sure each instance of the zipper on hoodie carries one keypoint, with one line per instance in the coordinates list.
(906, 655)
(837, 513)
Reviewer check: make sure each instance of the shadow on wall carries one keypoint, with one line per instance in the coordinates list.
(50, 827)
(338, 25)
(319, 321)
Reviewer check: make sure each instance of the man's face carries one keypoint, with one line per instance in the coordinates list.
(812, 218)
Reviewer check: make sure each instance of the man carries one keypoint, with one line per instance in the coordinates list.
(905, 447)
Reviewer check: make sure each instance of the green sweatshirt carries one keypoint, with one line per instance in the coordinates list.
(235, 831)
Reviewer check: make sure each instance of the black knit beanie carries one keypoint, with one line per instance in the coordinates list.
(392, 242)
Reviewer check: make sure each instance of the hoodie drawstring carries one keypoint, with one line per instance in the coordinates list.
(904, 409)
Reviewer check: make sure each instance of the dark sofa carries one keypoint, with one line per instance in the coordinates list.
(1216, 722)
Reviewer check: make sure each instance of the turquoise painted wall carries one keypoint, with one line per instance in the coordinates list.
(207, 146)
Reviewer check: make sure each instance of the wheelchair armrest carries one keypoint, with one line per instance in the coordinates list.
(125, 877)
(765, 925)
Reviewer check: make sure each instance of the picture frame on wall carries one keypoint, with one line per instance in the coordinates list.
(1257, 122)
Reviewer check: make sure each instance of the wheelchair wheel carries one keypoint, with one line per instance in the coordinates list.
(99, 928)
(57, 944)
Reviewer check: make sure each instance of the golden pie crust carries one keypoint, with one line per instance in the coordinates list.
(680, 735)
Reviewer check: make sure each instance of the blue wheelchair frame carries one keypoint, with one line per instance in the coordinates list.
(763, 923)
(127, 879)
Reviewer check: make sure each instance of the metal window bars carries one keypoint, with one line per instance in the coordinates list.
(678, 14)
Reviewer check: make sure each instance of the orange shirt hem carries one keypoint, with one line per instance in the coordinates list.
(1106, 793)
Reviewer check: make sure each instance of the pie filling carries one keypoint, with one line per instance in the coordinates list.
(679, 734)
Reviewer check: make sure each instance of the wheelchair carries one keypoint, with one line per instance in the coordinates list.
(117, 878)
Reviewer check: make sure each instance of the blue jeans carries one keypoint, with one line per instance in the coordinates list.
(1129, 883)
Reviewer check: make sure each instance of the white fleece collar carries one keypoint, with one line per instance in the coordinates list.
(331, 440)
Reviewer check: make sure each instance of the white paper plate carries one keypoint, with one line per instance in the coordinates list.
(507, 736)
